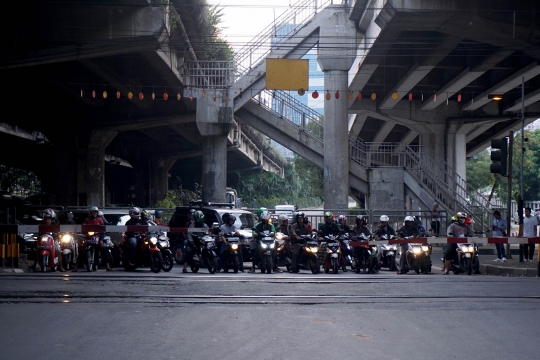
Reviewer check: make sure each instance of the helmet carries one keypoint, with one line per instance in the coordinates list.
(342, 217)
(157, 214)
(135, 212)
(69, 215)
(144, 214)
(49, 213)
(453, 219)
(461, 217)
(265, 215)
(360, 218)
(100, 213)
(93, 208)
(191, 212)
(198, 216)
(228, 216)
(283, 217)
(260, 211)
(384, 218)
(328, 216)
(300, 215)
(409, 218)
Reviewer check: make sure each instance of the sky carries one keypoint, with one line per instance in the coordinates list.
(245, 19)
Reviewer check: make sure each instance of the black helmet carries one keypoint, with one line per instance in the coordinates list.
(360, 218)
(157, 214)
(228, 216)
(299, 215)
(198, 216)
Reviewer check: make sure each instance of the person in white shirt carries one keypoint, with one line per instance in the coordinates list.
(530, 224)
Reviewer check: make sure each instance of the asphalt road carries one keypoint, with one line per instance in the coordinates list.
(140, 315)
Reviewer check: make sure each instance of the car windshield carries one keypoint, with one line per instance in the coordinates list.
(244, 220)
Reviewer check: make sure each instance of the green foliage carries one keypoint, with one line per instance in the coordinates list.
(301, 185)
(170, 201)
(215, 46)
(18, 181)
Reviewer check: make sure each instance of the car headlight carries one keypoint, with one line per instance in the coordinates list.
(314, 249)
(153, 240)
(66, 238)
(91, 233)
(417, 250)
(234, 246)
(264, 246)
(425, 248)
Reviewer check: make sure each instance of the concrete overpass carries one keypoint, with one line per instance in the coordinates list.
(57, 62)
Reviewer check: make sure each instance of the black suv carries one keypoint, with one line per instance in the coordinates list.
(213, 212)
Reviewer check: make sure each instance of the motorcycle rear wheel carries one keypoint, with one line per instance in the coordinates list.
(157, 262)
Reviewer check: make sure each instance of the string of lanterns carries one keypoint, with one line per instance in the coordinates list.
(373, 96)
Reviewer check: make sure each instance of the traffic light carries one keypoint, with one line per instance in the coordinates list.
(499, 156)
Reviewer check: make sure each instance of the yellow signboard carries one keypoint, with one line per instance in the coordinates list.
(287, 74)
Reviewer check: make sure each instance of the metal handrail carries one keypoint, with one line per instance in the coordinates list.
(260, 46)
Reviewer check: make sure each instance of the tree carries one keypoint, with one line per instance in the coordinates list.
(19, 181)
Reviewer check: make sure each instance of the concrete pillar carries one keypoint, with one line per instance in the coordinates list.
(214, 121)
(91, 169)
(456, 150)
(160, 179)
(387, 190)
(214, 168)
(335, 54)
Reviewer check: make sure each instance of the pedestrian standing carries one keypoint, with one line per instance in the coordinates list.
(435, 220)
(499, 229)
(530, 224)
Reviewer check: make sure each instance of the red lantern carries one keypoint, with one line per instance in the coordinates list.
(459, 98)
(141, 96)
(410, 96)
(93, 93)
(315, 94)
(214, 98)
(337, 94)
(165, 96)
(118, 94)
(359, 97)
(435, 97)
(191, 97)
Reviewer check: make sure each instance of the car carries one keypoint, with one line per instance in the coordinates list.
(213, 213)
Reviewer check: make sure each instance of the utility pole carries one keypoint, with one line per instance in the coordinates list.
(521, 196)
(509, 196)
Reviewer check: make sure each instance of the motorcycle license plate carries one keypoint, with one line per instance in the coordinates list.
(267, 253)
(267, 238)
(390, 253)
(332, 244)
(41, 247)
(467, 255)
(233, 239)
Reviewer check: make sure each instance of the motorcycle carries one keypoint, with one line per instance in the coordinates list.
(346, 252)
(91, 250)
(418, 258)
(333, 259)
(204, 252)
(166, 253)
(45, 252)
(284, 254)
(467, 260)
(266, 245)
(109, 250)
(68, 246)
(308, 257)
(366, 255)
(147, 253)
(231, 260)
(387, 254)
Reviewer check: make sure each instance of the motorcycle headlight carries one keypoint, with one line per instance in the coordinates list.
(425, 248)
(314, 249)
(272, 246)
(329, 251)
(471, 248)
(338, 251)
(44, 239)
(374, 248)
(164, 243)
(417, 250)
(66, 238)
(91, 233)
(234, 246)
(153, 240)
(264, 246)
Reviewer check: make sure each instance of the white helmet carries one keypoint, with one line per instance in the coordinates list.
(409, 218)
(384, 218)
(265, 215)
(283, 217)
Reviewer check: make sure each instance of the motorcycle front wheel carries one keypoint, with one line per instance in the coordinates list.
(236, 264)
(212, 264)
(194, 268)
(476, 265)
(391, 263)
(89, 259)
(66, 260)
(269, 264)
(314, 266)
(157, 262)
(43, 262)
(178, 252)
(467, 266)
(168, 260)
(335, 265)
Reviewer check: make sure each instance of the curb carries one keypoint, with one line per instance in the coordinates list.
(507, 271)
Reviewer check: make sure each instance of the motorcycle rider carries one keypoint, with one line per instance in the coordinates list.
(49, 218)
(198, 223)
(298, 229)
(456, 229)
(68, 215)
(157, 218)
(284, 228)
(329, 227)
(384, 228)
(342, 221)
(253, 244)
(95, 219)
(228, 227)
(102, 217)
(408, 230)
(360, 226)
(135, 214)
(261, 226)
